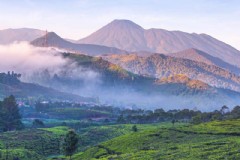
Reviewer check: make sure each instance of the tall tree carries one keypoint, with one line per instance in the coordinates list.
(10, 117)
(70, 143)
(236, 112)
(224, 110)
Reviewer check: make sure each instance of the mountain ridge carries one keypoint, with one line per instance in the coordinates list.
(200, 56)
(144, 91)
(160, 41)
(54, 40)
(160, 65)
(11, 85)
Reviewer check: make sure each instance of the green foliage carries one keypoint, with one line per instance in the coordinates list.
(197, 119)
(21, 154)
(37, 123)
(173, 122)
(60, 131)
(40, 141)
(226, 127)
(69, 111)
(182, 142)
(70, 143)
(95, 135)
(134, 128)
(211, 140)
(10, 118)
(236, 112)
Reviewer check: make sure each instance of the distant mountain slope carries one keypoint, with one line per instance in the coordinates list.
(53, 40)
(126, 35)
(183, 79)
(117, 84)
(158, 65)
(114, 76)
(200, 56)
(10, 85)
(8, 36)
(122, 34)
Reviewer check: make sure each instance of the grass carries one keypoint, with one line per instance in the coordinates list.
(214, 141)
(60, 131)
(32, 142)
(230, 127)
(172, 143)
(20, 153)
(94, 135)
(45, 142)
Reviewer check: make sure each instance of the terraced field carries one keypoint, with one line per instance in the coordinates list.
(31, 144)
(214, 140)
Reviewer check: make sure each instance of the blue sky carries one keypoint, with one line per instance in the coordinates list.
(78, 18)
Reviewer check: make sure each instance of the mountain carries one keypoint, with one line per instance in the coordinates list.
(117, 86)
(51, 39)
(11, 85)
(8, 36)
(159, 66)
(200, 56)
(122, 34)
(183, 79)
(126, 35)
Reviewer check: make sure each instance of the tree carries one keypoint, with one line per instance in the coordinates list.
(37, 123)
(70, 143)
(121, 119)
(1, 117)
(10, 118)
(134, 128)
(197, 119)
(173, 122)
(217, 115)
(224, 110)
(236, 112)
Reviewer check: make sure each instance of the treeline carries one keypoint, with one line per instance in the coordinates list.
(158, 115)
(9, 78)
(120, 115)
(45, 106)
(10, 118)
(185, 115)
(69, 110)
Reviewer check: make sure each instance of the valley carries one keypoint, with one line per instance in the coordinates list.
(119, 80)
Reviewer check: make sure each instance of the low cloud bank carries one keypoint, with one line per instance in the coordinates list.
(38, 64)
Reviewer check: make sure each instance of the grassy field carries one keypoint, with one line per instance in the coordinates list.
(31, 144)
(94, 135)
(212, 140)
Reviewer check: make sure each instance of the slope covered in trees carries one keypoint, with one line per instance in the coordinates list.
(159, 65)
(11, 85)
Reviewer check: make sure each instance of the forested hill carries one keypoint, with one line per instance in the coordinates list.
(11, 85)
(115, 79)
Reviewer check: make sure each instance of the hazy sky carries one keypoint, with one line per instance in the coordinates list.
(78, 18)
